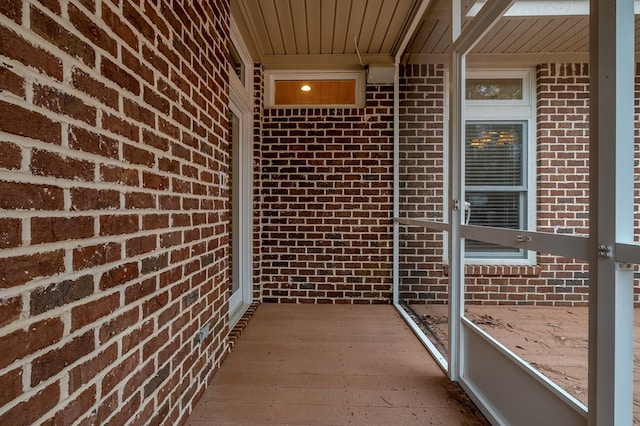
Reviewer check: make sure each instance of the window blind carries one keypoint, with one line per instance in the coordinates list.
(494, 180)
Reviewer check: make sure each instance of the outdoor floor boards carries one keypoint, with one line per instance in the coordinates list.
(331, 365)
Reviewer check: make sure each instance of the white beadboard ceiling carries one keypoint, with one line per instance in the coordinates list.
(322, 34)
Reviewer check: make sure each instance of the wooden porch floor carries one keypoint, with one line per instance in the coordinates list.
(331, 365)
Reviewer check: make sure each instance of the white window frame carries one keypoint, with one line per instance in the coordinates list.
(271, 76)
(508, 110)
(245, 85)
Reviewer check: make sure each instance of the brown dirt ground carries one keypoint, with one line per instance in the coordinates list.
(551, 339)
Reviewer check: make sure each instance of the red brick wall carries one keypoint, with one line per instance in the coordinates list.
(422, 190)
(327, 185)
(114, 231)
(636, 134)
(563, 176)
(258, 93)
(562, 195)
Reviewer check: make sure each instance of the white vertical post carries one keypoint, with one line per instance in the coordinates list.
(456, 210)
(456, 195)
(456, 19)
(611, 211)
(396, 183)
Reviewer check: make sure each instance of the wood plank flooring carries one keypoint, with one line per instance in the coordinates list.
(331, 365)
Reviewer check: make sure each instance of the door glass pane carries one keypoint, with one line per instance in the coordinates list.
(233, 203)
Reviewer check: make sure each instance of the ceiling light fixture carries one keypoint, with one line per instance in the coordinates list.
(305, 88)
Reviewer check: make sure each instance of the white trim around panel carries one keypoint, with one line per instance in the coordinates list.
(271, 76)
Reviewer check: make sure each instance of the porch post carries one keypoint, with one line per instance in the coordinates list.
(611, 211)
(396, 184)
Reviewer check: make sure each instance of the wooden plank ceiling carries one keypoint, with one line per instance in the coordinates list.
(306, 33)
(516, 40)
(321, 34)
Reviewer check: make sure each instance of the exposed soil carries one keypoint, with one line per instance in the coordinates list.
(554, 340)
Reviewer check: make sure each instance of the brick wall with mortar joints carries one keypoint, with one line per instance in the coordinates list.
(114, 232)
(562, 195)
(258, 94)
(562, 176)
(327, 184)
(422, 195)
(636, 185)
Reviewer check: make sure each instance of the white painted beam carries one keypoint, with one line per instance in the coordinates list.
(611, 212)
(486, 18)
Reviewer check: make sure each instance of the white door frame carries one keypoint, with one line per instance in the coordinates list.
(240, 104)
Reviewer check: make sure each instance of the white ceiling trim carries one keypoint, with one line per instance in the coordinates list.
(323, 62)
(532, 8)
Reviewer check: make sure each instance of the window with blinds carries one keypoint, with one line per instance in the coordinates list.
(495, 181)
(500, 161)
